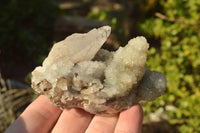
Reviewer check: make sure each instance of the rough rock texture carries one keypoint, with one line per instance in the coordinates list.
(77, 73)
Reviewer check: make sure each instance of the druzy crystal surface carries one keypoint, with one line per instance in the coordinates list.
(78, 73)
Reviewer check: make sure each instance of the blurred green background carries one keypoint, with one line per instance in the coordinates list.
(28, 29)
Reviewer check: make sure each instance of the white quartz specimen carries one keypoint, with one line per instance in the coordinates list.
(127, 67)
(77, 73)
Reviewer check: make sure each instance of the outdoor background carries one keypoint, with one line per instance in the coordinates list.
(29, 28)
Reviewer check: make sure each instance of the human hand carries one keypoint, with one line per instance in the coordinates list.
(43, 117)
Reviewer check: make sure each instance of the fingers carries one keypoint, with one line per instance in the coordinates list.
(40, 116)
(101, 124)
(72, 121)
(130, 121)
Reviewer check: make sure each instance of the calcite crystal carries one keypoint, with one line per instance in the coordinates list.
(77, 73)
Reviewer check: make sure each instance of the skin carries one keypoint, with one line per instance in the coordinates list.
(43, 117)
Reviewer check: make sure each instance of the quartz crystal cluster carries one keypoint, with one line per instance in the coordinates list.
(78, 73)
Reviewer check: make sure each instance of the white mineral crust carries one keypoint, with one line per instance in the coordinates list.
(77, 73)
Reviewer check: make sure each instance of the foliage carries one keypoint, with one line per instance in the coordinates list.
(176, 24)
(112, 18)
(26, 28)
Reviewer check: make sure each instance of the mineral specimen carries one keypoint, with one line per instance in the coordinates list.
(77, 73)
